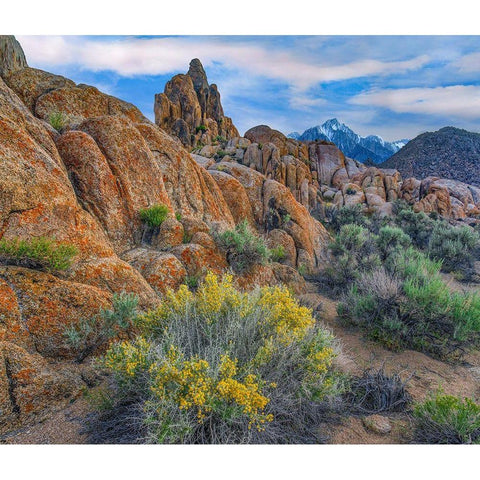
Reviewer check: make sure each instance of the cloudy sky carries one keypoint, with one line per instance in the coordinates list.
(392, 86)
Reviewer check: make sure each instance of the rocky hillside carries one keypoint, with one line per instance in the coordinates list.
(79, 167)
(84, 183)
(372, 149)
(450, 153)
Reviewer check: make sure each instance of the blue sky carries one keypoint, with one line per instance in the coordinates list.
(392, 86)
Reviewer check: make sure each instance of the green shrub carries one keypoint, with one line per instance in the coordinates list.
(201, 128)
(58, 120)
(302, 269)
(91, 333)
(277, 253)
(354, 254)
(407, 304)
(455, 246)
(178, 216)
(154, 216)
(221, 366)
(191, 281)
(374, 304)
(417, 225)
(391, 239)
(244, 248)
(445, 419)
(347, 215)
(38, 252)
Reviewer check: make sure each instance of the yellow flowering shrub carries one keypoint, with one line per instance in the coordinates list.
(219, 359)
(284, 314)
(191, 384)
(127, 358)
(214, 296)
(174, 303)
(187, 383)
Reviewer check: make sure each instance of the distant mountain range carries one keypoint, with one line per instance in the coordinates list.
(371, 149)
(448, 153)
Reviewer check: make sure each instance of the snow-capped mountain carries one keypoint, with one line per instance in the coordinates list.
(372, 148)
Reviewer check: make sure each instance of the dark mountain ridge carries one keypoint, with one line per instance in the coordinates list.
(449, 153)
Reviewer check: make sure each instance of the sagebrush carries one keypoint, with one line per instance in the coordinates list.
(244, 248)
(221, 366)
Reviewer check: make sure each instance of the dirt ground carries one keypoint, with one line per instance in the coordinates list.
(425, 374)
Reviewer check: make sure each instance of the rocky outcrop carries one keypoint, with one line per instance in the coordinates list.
(191, 110)
(46, 94)
(191, 189)
(318, 174)
(274, 207)
(31, 386)
(12, 57)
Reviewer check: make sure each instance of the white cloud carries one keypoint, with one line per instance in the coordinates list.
(469, 63)
(153, 56)
(461, 101)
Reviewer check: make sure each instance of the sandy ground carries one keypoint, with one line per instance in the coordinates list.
(65, 426)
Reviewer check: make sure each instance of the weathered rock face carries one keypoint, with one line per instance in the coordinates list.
(43, 305)
(235, 195)
(136, 173)
(45, 93)
(12, 57)
(162, 270)
(433, 197)
(190, 188)
(191, 110)
(287, 146)
(274, 207)
(29, 385)
(95, 185)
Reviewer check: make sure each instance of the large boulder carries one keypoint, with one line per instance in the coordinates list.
(434, 197)
(96, 186)
(162, 270)
(325, 159)
(43, 306)
(133, 166)
(199, 260)
(251, 180)
(285, 212)
(235, 195)
(262, 134)
(30, 386)
(45, 93)
(280, 239)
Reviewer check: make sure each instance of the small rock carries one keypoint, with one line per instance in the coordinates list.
(377, 424)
